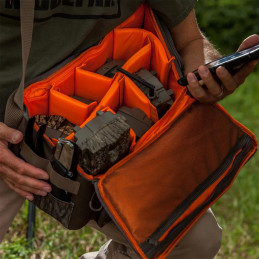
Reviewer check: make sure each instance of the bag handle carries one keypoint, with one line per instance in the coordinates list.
(14, 108)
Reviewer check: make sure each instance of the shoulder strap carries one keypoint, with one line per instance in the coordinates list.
(14, 109)
(27, 17)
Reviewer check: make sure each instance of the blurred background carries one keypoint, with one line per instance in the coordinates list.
(226, 23)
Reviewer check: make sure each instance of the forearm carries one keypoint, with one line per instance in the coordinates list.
(192, 45)
(198, 52)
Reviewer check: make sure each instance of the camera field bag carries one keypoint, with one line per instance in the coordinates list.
(169, 176)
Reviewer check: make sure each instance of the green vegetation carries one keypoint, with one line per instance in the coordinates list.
(226, 23)
(238, 210)
(52, 240)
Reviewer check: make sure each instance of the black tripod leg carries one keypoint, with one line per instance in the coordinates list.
(31, 224)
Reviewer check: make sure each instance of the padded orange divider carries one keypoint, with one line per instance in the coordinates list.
(124, 92)
(91, 85)
(93, 114)
(73, 110)
(100, 54)
(159, 62)
(112, 98)
(65, 85)
(127, 42)
(134, 97)
(156, 60)
(37, 100)
(139, 60)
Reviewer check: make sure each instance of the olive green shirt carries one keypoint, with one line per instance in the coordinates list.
(65, 27)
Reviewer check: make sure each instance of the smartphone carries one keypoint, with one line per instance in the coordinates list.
(232, 62)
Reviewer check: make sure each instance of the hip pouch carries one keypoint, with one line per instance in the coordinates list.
(123, 141)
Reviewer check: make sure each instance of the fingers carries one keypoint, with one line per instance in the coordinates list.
(196, 90)
(229, 82)
(8, 159)
(23, 178)
(212, 85)
(249, 42)
(11, 135)
(210, 90)
(26, 192)
(24, 182)
(206, 91)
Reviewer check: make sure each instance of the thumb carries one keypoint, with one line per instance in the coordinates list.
(249, 42)
(9, 134)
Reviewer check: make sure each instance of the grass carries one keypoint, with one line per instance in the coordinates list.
(237, 211)
(52, 240)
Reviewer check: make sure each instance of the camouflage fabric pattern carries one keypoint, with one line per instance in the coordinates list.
(105, 147)
(55, 122)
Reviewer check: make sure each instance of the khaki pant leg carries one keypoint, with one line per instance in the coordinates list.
(10, 204)
(201, 242)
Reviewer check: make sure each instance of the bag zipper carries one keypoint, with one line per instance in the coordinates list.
(63, 72)
(95, 182)
(167, 37)
(153, 245)
(51, 71)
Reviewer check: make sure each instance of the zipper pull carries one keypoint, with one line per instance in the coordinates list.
(153, 241)
(95, 181)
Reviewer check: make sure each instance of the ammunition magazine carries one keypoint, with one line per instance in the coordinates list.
(103, 141)
(152, 88)
(137, 120)
(162, 98)
(65, 163)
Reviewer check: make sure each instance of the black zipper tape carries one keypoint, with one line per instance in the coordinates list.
(95, 182)
(152, 246)
(170, 44)
(198, 191)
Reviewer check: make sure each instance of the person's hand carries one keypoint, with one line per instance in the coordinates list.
(20, 176)
(208, 90)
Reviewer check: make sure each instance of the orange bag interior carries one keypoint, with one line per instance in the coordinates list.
(138, 47)
(196, 154)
